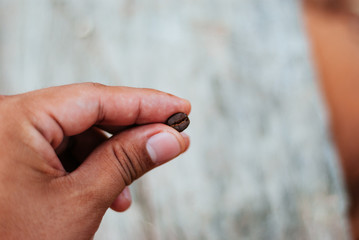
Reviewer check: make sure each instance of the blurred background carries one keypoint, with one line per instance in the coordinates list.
(275, 106)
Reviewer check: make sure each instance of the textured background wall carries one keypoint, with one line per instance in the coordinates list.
(261, 165)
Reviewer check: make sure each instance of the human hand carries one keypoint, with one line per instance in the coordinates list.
(39, 199)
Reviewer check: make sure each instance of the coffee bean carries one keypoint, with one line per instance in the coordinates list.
(178, 121)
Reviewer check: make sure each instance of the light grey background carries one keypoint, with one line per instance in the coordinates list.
(261, 164)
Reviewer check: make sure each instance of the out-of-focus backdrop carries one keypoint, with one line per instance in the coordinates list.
(261, 164)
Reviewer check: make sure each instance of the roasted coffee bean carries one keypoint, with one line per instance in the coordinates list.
(178, 121)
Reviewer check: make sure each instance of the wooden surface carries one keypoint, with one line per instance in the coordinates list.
(261, 164)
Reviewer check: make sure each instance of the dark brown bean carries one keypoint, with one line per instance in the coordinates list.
(178, 121)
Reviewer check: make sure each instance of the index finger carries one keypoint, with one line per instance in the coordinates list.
(71, 109)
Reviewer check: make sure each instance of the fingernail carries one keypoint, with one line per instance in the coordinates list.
(126, 193)
(163, 147)
(185, 135)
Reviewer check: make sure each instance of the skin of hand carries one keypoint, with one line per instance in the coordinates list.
(39, 199)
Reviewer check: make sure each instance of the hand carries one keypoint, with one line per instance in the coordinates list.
(39, 199)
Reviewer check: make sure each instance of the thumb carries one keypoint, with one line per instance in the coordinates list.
(126, 157)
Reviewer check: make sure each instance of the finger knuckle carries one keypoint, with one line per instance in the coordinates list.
(130, 164)
(94, 85)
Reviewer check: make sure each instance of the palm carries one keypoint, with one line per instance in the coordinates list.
(75, 149)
